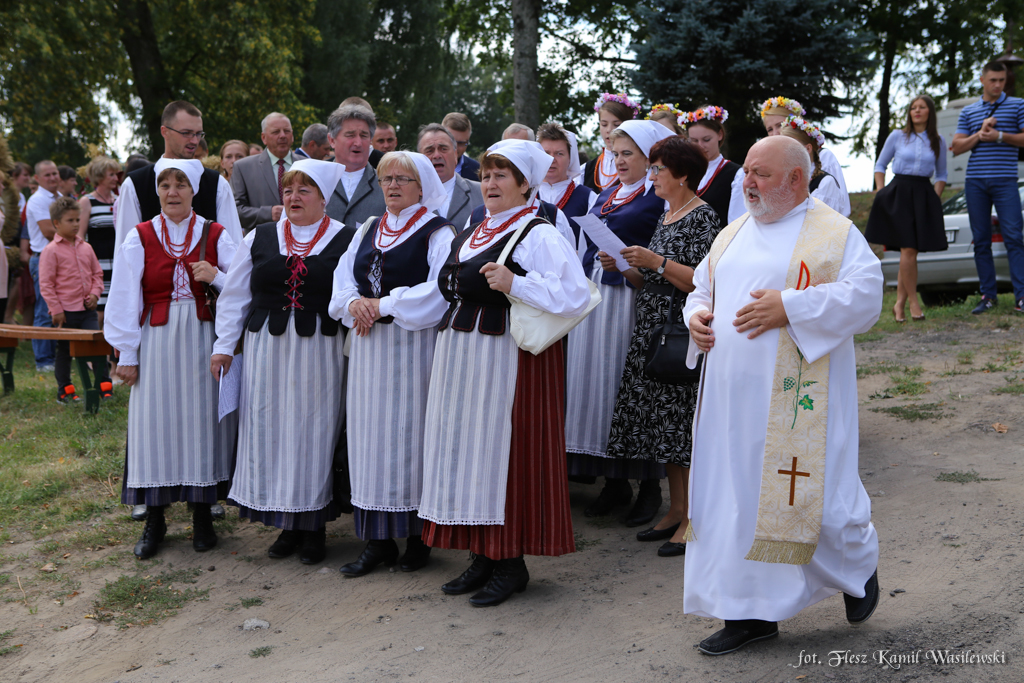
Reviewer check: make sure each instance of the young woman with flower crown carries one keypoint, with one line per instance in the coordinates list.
(722, 184)
(823, 185)
(612, 109)
(668, 116)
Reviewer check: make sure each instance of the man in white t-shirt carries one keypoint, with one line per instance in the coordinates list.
(40, 232)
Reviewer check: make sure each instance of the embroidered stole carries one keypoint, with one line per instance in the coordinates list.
(793, 471)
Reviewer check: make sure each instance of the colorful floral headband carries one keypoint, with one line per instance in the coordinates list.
(621, 98)
(710, 113)
(782, 103)
(670, 108)
(810, 129)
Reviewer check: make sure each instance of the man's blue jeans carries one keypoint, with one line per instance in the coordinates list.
(45, 349)
(982, 194)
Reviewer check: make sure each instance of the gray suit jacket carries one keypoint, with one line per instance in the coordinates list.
(254, 184)
(367, 200)
(466, 196)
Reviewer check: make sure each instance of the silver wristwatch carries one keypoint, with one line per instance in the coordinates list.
(661, 268)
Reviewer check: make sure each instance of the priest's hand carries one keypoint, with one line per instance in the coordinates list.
(218, 362)
(700, 330)
(767, 313)
(498, 277)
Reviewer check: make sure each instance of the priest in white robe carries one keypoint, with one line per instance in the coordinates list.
(791, 281)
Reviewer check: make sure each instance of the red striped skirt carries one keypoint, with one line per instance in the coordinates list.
(537, 516)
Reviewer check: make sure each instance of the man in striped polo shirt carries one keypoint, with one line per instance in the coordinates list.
(993, 129)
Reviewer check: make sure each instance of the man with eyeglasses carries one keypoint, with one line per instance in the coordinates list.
(438, 144)
(459, 126)
(181, 126)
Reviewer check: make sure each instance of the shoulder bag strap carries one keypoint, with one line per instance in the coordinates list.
(514, 242)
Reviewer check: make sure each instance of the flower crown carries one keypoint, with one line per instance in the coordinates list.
(710, 113)
(621, 98)
(671, 108)
(782, 102)
(810, 129)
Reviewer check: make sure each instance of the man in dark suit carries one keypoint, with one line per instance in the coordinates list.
(314, 143)
(358, 195)
(256, 180)
(437, 144)
(459, 126)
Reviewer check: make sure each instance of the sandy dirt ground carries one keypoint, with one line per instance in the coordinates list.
(613, 610)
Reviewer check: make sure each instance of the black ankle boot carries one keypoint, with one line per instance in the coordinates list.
(478, 574)
(737, 634)
(153, 534)
(286, 544)
(510, 576)
(417, 554)
(375, 552)
(648, 502)
(203, 536)
(615, 492)
(314, 546)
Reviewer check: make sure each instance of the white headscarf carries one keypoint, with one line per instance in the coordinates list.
(434, 194)
(645, 133)
(192, 168)
(574, 154)
(325, 174)
(529, 157)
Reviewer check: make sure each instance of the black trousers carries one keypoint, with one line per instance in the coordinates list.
(76, 320)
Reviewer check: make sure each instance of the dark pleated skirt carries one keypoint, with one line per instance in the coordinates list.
(907, 214)
(312, 520)
(165, 495)
(377, 525)
(581, 464)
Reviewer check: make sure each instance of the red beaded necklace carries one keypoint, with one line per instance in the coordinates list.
(383, 230)
(609, 206)
(483, 233)
(704, 189)
(176, 251)
(568, 193)
(598, 173)
(302, 249)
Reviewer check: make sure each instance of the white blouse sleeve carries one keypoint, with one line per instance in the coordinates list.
(345, 290)
(736, 206)
(128, 213)
(828, 192)
(696, 301)
(227, 210)
(226, 246)
(236, 295)
(121, 326)
(422, 306)
(554, 280)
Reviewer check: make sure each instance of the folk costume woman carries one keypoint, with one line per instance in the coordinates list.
(385, 288)
(494, 476)
(823, 185)
(157, 318)
(597, 348)
(668, 116)
(722, 184)
(293, 371)
(612, 109)
(559, 186)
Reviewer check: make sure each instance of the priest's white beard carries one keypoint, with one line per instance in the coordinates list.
(774, 204)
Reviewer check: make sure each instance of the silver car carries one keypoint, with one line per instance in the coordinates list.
(945, 276)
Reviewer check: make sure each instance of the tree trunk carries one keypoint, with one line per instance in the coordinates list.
(139, 39)
(525, 39)
(884, 113)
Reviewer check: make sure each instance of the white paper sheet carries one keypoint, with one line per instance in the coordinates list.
(230, 389)
(606, 240)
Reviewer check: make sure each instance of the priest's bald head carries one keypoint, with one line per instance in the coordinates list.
(777, 172)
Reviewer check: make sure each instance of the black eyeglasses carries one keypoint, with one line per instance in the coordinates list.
(188, 134)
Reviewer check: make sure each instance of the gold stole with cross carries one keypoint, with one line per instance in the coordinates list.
(793, 472)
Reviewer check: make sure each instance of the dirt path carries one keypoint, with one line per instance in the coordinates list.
(613, 610)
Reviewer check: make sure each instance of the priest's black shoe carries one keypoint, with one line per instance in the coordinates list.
(737, 634)
(203, 536)
(615, 492)
(477, 576)
(376, 552)
(859, 609)
(314, 547)
(648, 502)
(510, 576)
(286, 544)
(152, 535)
(417, 554)
(670, 549)
(653, 534)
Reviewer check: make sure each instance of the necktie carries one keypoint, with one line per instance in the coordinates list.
(280, 177)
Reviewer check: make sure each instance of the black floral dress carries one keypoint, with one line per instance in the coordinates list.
(654, 421)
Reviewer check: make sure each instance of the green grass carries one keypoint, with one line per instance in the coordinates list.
(965, 357)
(906, 382)
(913, 413)
(940, 318)
(7, 649)
(1014, 386)
(251, 602)
(143, 600)
(261, 651)
(969, 477)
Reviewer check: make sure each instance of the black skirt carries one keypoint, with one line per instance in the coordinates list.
(907, 214)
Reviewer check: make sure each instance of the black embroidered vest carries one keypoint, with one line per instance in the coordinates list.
(719, 191)
(204, 201)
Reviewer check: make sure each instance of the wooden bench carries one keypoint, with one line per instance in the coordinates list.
(85, 346)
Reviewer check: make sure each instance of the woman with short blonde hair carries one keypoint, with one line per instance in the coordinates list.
(97, 226)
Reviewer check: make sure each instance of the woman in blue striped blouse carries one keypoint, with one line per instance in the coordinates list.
(907, 213)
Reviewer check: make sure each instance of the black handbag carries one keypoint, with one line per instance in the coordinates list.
(211, 293)
(666, 352)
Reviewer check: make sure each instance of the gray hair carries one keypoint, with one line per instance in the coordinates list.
(350, 111)
(272, 115)
(519, 128)
(315, 133)
(434, 128)
(795, 156)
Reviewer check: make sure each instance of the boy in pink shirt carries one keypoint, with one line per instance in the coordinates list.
(71, 281)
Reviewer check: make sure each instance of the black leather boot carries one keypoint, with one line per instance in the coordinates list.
(510, 576)
(286, 544)
(153, 534)
(417, 554)
(648, 502)
(203, 536)
(139, 513)
(615, 492)
(375, 552)
(737, 634)
(314, 546)
(478, 574)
